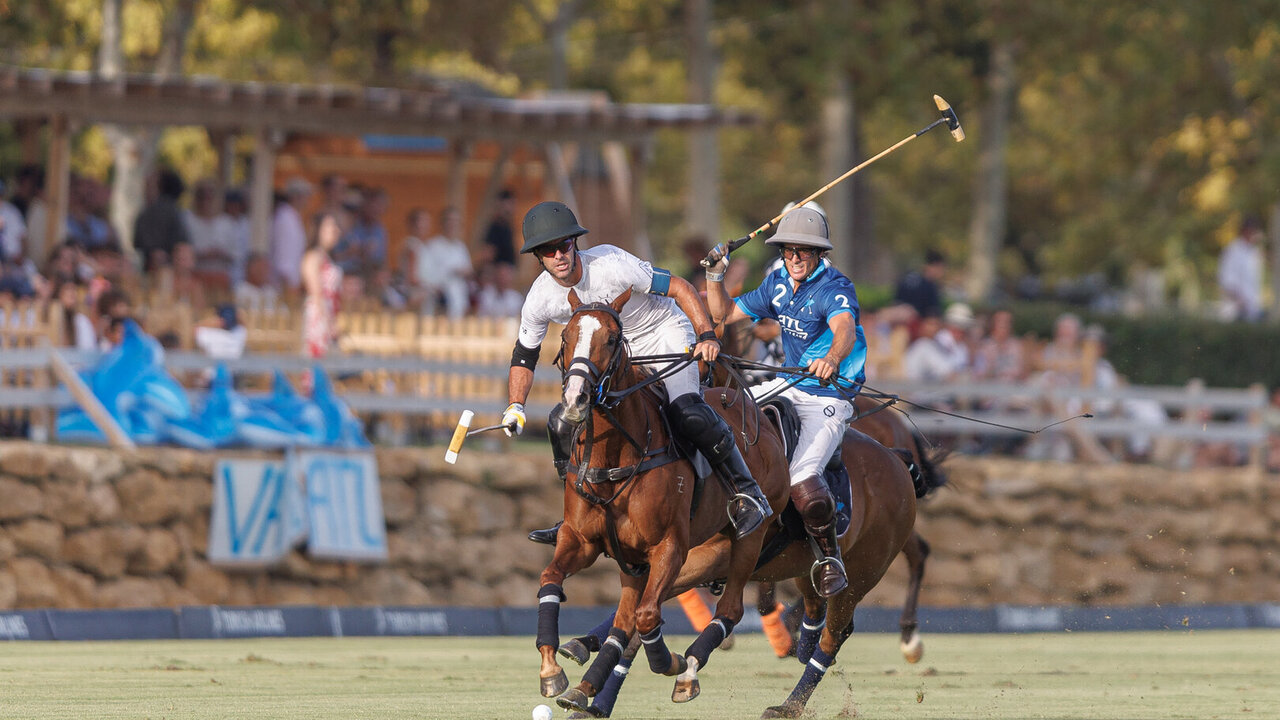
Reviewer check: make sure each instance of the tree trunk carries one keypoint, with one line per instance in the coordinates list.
(990, 203)
(837, 157)
(703, 211)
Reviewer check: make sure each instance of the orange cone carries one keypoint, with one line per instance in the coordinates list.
(697, 611)
(776, 630)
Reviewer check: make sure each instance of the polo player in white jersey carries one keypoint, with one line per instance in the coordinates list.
(664, 315)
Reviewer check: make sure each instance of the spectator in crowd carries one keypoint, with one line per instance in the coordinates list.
(333, 201)
(288, 236)
(221, 336)
(498, 296)
(255, 291)
(362, 251)
(1271, 417)
(13, 230)
(211, 237)
(444, 266)
(111, 309)
(921, 289)
(322, 280)
(160, 225)
(999, 357)
(27, 198)
(1240, 273)
(1061, 360)
(85, 225)
(499, 238)
(235, 209)
(77, 328)
(66, 263)
(939, 353)
(185, 284)
(1143, 414)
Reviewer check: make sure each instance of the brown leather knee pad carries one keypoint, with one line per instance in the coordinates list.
(814, 502)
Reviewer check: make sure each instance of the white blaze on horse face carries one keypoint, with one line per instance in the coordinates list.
(575, 386)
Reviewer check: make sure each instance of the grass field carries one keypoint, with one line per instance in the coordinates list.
(1218, 674)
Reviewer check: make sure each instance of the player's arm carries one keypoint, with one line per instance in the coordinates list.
(844, 335)
(723, 310)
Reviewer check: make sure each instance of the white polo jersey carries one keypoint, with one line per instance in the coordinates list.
(651, 322)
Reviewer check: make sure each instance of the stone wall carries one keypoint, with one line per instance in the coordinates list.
(90, 527)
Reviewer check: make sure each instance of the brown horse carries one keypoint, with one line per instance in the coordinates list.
(882, 517)
(887, 427)
(629, 495)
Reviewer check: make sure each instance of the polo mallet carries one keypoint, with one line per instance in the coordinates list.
(948, 117)
(462, 432)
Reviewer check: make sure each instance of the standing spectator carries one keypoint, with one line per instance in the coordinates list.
(497, 296)
(13, 230)
(499, 239)
(211, 237)
(444, 265)
(187, 286)
(160, 226)
(333, 201)
(363, 249)
(77, 328)
(255, 291)
(288, 236)
(235, 209)
(1240, 274)
(322, 281)
(29, 187)
(920, 288)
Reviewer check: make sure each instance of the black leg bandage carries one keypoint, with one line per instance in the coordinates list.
(549, 598)
(655, 648)
(709, 639)
(606, 659)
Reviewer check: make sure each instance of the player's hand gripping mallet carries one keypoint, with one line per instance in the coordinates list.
(462, 432)
(948, 117)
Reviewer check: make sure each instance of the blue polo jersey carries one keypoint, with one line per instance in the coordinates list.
(805, 317)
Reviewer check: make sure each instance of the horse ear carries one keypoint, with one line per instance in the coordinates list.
(574, 302)
(621, 300)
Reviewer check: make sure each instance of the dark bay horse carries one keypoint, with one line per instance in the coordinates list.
(630, 496)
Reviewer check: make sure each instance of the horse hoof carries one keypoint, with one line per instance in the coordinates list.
(781, 711)
(575, 699)
(727, 643)
(576, 651)
(554, 685)
(590, 712)
(913, 649)
(678, 666)
(687, 685)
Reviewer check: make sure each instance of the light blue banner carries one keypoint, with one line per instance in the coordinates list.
(252, 500)
(344, 505)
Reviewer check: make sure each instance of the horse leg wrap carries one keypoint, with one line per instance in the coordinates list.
(595, 638)
(709, 639)
(606, 659)
(549, 599)
(776, 630)
(810, 631)
(603, 702)
(655, 648)
(814, 670)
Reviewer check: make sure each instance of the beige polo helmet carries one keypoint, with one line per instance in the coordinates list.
(802, 226)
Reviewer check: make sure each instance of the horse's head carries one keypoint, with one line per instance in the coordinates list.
(591, 349)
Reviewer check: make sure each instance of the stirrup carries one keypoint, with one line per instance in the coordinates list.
(817, 567)
(742, 500)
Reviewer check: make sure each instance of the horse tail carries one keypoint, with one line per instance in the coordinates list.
(932, 476)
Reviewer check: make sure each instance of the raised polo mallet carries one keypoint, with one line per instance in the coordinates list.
(462, 432)
(948, 117)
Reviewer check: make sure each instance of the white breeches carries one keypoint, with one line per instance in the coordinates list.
(822, 423)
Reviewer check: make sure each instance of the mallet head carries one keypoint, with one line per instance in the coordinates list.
(953, 122)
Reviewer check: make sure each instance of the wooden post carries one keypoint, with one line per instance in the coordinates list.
(261, 187)
(1258, 452)
(89, 402)
(641, 155)
(459, 154)
(57, 180)
(560, 178)
(497, 178)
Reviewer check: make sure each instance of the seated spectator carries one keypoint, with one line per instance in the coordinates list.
(67, 262)
(363, 249)
(77, 328)
(221, 335)
(13, 230)
(235, 209)
(111, 309)
(256, 292)
(178, 281)
(497, 296)
(927, 360)
(999, 356)
(444, 266)
(85, 226)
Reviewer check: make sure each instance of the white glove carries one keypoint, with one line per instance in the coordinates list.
(513, 418)
(719, 257)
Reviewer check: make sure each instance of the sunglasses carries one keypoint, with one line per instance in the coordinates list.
(546, 251)
(800, 252)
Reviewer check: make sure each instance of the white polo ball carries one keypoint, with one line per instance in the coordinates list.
(542, 712)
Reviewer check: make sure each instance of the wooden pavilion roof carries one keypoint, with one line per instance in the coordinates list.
(138, 99)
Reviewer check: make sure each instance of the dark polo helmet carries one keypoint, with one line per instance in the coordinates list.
(802, 226)
(549, 222)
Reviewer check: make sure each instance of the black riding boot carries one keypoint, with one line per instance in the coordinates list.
(818, 511)
(694, 419)
(560, 433)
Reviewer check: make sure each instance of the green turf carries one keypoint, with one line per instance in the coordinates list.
(1224, 674)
